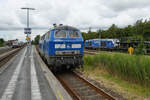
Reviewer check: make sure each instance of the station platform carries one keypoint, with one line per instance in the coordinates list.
(26, 77)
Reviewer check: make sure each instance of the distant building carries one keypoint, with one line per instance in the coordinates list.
(10, 42)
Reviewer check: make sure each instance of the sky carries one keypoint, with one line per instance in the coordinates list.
(82, 14)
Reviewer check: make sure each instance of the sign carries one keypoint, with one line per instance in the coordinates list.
(27, 38)
(27, 30)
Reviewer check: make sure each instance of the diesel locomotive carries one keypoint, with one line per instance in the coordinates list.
(62, 47)
(101, 43)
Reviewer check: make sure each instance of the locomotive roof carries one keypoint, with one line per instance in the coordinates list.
(65, 28)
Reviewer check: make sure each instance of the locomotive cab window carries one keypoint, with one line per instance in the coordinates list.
(74, 34)
(60, 34)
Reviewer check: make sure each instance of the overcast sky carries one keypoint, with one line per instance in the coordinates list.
(78, 13)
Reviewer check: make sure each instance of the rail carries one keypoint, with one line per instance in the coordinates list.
(80, 88)
(91, 52)
(5, 57)
(2, 51)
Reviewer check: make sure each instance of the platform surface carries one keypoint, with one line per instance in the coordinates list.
(24, 79)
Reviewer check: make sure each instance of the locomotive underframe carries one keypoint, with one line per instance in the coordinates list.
(59, 61)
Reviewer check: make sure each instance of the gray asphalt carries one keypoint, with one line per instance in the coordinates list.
(23, 85)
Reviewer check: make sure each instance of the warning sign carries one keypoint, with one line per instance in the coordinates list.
(27, 38)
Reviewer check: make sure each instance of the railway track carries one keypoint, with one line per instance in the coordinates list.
(94, 52)
(80, 88)
(91, 52)
(5, 57)
(5, 50)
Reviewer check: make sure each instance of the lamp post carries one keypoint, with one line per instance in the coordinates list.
(28, 9)
(28, 29)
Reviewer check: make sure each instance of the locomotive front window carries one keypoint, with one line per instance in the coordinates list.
(60, 34)
(74, 34)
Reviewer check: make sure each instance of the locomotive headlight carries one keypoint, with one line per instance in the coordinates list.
(58, 52)
(67, 52)
(60, 46)
(77, 52)
(76, 45)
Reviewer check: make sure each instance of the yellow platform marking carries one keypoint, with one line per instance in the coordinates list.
(59, 94)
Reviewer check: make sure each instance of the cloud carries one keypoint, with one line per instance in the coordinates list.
(122, 5)
(79, 13)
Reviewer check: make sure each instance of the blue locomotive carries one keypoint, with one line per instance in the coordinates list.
(62, 47)
(101, 43)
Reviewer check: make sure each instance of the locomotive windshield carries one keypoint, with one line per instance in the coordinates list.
(60, 34)
(74, 34)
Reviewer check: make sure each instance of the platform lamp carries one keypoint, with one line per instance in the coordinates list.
(27, 30)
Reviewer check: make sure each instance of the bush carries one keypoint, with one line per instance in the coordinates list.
(1, 42)
(140, 50)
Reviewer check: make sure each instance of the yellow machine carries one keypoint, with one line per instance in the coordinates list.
(130, 50)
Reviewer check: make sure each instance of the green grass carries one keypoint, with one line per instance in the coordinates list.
(132, 68)
(129, 87)
(132, 91)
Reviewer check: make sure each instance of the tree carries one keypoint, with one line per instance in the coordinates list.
(139, 31)
(89, 31)
(146, 34)
(1, 42)
(141, 49)
(84, 35)
(99, 33)
(36, 40)
(128, 31)
(112, 31)
(139, 25)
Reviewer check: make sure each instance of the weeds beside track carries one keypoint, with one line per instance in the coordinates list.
(133, 68)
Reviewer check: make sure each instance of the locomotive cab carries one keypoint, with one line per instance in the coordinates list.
(65, 47)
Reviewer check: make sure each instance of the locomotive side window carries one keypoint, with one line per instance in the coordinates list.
(103, 43)
(43, 37)
(90, 43)
(60, 34)
(74, 34)
(49, 34)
